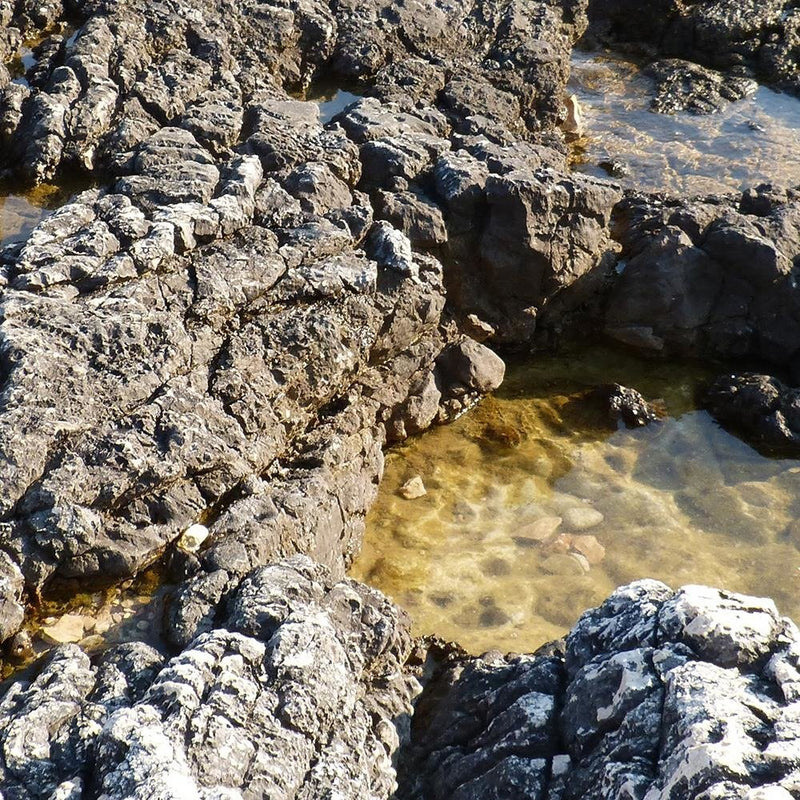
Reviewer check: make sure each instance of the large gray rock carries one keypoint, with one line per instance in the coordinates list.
(661, 695)
(297, 693)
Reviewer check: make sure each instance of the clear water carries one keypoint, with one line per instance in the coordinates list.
(535, 511)
(332, 101)
(20, 213)
(752, 141)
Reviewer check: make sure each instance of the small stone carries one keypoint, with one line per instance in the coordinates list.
(143, 625)
(574, 121)
(93, 642)
(582, 561)
(70, 628)
(564, 564)
(413, 488)
(539, 530)
(193, 537)
(589, 548)
(581, 518)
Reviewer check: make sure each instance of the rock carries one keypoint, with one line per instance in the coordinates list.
(761, 408)
(413, 488)
(574, 121)
(589, 548)
(684, 86)
(473, 365)
(709, 278)
(582, 518)
(313, 703)
(757, 37)
(193, 537)
(539, 530)
(643, 713)
(624, 406)
(69, 628)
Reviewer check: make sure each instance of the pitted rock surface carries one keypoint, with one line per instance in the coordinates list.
(661, 695)
(249, 304)
(753, 38)
(297, 693)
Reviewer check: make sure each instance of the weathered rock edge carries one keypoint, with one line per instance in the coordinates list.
(305, 688)
(230, 329)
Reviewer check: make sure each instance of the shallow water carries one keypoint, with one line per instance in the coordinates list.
(752, 141)
(331, 101)
(20, 213)
(535, 512)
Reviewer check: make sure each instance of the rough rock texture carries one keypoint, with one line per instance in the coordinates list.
(661, 695)
(684, 86)
(230, 327)
(623, 406)
(298, 692)
(761, 408)
(301, 687)
(749, 37)
(709, 277)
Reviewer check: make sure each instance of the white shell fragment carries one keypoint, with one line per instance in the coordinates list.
(193, 537)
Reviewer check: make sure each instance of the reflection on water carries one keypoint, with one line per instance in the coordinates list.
(21, 213)
(331, 101)
(751, 141)
(534, 512)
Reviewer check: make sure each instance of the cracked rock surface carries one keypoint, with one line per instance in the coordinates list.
(304, 687)
(659, 695)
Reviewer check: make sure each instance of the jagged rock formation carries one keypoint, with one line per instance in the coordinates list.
(754, 38)
(660, 695)
(709, 277)
(298, 692)
(302, 688)
(251, 304)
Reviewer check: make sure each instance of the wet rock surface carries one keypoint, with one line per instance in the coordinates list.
(760, 407)
(747, 39)
(659, 694)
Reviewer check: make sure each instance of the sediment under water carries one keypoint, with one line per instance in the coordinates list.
(751, 141)
(535, 511)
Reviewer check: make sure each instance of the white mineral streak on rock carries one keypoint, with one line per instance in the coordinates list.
(636, 677)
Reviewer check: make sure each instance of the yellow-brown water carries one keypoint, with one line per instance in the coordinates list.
(751, 141)
(534, 512)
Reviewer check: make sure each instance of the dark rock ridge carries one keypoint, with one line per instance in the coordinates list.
(761, 408)
(746, 38)
(304, 688)
(709, 277)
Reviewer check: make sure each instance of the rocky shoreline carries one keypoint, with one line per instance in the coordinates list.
(249, 305)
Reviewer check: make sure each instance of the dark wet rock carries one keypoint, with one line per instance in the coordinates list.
(624, 406)
(295, 694)
(684, 86)
(761, 408)
(709, 277)
(759, 37)
(662, 694)
(536, 232)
